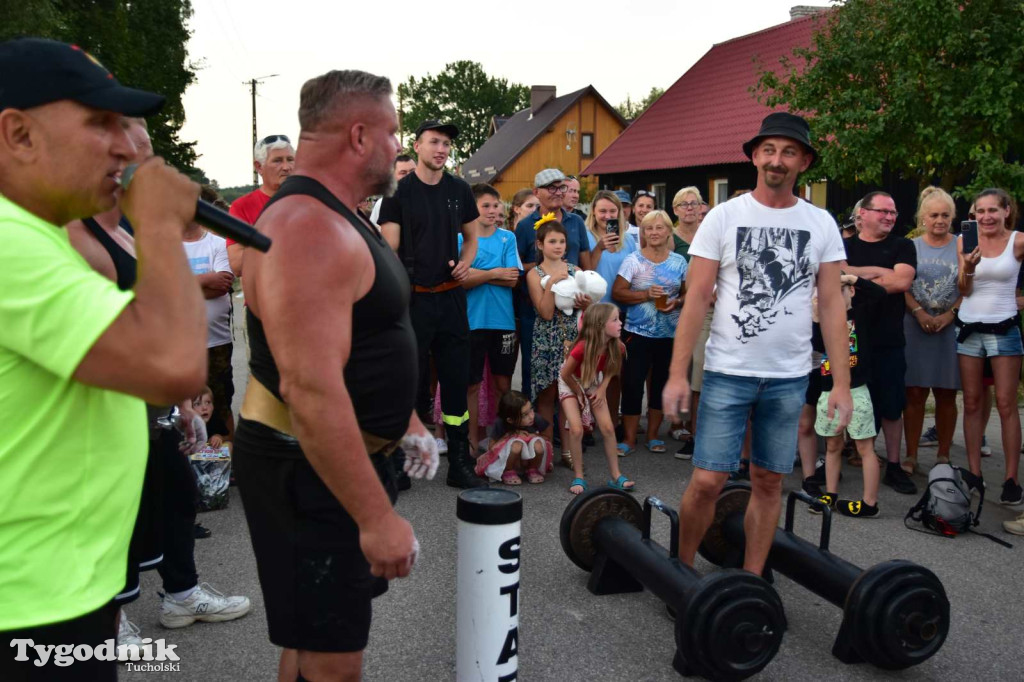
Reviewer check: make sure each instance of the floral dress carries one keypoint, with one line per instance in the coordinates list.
(551, 340)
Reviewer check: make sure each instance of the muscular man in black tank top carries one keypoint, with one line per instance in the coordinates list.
(331, 388)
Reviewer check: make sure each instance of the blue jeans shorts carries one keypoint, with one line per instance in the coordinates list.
(773, 407)
(979, 345)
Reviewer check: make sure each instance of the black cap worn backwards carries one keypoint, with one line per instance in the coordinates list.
(36, 71)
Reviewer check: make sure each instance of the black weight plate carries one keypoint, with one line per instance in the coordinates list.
(732, 500)
(583, 513)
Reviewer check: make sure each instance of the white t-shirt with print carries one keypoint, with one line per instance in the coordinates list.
(768, 263)
(210, 254)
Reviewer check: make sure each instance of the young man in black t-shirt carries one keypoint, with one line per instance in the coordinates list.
(878, 255)
(422, 222)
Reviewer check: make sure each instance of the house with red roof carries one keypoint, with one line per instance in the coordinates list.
(694, 133)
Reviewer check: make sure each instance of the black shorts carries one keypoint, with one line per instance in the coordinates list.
(145, 552)
(92, 629)
(813, 388)
(316, 583)
(497, 345)
(887, 383)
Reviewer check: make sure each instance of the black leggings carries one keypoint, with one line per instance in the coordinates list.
(93, 629)
(644, 354)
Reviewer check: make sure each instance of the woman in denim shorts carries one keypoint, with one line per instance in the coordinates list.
(987, 327)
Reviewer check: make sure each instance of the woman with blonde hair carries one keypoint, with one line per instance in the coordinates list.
(928, 325)
(686, 205)
(609, 241)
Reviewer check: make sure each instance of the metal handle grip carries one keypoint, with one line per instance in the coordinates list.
(826, 518)
(673, 517)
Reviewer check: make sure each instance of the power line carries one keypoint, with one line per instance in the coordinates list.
(252, 83)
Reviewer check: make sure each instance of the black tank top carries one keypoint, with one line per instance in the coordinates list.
(124, 262)
(381, 372)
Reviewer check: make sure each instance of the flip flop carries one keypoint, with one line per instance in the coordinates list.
(656, 446)
(620, 484)
(624, 449)
(578, 482)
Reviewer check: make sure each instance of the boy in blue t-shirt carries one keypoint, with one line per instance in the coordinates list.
(492, 323)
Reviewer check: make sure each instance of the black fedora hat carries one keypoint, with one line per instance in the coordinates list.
(782, 124)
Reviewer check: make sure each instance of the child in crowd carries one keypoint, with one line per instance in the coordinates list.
(595, 358)
(861, 298)
(216, 429)
(553, 331)
(516, 441)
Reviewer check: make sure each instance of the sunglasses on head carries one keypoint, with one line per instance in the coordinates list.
(271, 139)
(643, 193)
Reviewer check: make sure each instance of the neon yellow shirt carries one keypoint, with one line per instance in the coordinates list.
(72, 456)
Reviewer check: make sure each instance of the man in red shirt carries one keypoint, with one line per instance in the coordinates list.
(273, 157)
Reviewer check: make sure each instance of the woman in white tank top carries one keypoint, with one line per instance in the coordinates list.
(988, 327)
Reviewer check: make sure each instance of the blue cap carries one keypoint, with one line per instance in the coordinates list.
(623, 196)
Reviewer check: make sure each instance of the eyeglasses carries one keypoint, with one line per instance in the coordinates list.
(271, 139)
(557, 189)
(643, 193)
(883, 211)
(688, 204)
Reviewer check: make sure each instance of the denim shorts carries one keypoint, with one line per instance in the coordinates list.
(979, 345)
(773, 407)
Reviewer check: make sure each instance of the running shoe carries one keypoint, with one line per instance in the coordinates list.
(205, 604)
(986, 451)
(1015, 527)
(1013, 494)
(128, 633)
(897, 479)
(826, 500)
(857, 508)
(929, 438)
(686, 451)
(442, 446)
(811, 487)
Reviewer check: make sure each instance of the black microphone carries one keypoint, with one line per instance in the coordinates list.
(216, 220)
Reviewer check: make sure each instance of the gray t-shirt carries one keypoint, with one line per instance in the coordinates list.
(935, 288)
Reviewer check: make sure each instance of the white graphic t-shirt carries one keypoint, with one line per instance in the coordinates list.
(210, 254)
(768, 261)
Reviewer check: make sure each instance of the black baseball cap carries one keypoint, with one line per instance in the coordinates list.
(37, 71)
(448, 129)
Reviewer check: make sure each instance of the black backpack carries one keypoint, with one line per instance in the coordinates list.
(945, 507)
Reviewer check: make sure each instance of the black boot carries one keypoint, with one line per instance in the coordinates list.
(460, 463)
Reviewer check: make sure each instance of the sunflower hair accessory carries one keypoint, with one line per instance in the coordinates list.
(546, 218)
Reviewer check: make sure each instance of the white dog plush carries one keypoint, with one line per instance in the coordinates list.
(586, 282)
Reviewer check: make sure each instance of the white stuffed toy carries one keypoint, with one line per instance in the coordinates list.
(586, 282)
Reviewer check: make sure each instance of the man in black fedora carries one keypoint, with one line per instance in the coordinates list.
(422, 222)
(765, 251)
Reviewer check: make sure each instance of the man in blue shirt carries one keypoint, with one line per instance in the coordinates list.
(550, 187)
(492, 324)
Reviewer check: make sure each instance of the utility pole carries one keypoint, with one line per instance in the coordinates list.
(252, 83)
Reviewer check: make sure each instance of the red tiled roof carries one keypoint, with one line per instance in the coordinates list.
(707, 115)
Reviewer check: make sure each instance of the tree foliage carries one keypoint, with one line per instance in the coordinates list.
(142, 43)
(930, 89)
(462, 94)
(631, 110)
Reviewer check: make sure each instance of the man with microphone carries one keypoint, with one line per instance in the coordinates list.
(78, 356)
(331, 388)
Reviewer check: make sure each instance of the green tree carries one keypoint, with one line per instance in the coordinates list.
(462, 94)
(142, 43)
(631, 110)
(929, 89)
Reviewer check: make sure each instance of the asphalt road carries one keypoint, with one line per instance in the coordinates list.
(568, 634)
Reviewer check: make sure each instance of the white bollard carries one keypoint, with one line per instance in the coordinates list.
(487, 625)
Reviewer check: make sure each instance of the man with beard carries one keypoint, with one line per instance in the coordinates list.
(422, 222)
(313, 443)
(273, 158)
(758, 370)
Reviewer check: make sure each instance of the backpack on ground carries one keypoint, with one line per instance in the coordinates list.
(945, 507)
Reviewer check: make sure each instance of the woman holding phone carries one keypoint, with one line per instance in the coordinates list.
(609, 241)
(987, 327)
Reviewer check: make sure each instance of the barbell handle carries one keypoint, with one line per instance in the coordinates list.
(826, 516)
(673, 517)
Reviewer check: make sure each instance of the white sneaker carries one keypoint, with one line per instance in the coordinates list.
(128, 633)
(442, 446)
(205, 604)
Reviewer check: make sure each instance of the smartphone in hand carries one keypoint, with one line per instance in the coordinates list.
(969, 233)
(612, 226)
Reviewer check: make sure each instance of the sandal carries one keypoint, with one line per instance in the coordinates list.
(534, 476)
(511, 478)
(909, 465)
(567, 460)
(620, 484)
(656, 446)
(624, 449)
(578, 483)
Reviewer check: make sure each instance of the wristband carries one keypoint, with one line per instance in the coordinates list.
(914, 311)
(968, 274)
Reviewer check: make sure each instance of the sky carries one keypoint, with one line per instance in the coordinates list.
(618, 48)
